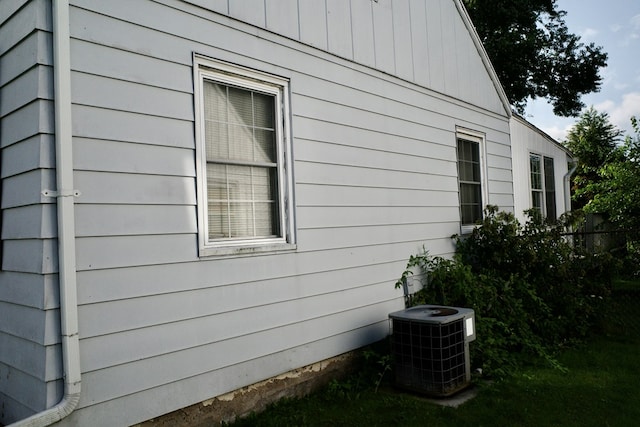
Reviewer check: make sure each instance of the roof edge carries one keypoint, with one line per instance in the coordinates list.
(484, 56)
(535, 128)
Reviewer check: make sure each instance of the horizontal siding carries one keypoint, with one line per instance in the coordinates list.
(29, 290)
(113, 382)
(104, 61)
(202, 386)
(36, 256)
(433, 235)
(35, 15)
(29, 394)
(202, 303)
(348, 216)
(231, 323)
(26, 188)
(375, 179)
(9, 8)
(30, 222)
(29, 320)
(240, 275)
(327, 195)
(30, 358)
(31, 51)
(36, 83)
(30, 120)
(314, 173)
(119, 156)
(121, 95)
(17, 409)
(97, 123)
(36, 152)
(119, 188)
(135, 220)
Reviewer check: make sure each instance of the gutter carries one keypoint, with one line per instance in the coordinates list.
(66, 223)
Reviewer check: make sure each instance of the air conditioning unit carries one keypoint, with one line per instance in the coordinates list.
(430, 348)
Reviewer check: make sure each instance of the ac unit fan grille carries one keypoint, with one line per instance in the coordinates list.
(430, 357)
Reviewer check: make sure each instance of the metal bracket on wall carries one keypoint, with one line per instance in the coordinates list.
(62, 193)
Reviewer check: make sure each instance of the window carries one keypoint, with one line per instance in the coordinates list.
(543, 191)
(470, 177)
(244, 165)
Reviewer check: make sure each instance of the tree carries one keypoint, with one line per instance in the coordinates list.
(617, 191)
(593, 141)
(534, 53)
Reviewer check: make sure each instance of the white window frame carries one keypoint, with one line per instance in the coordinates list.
(480, 139)
(544, 209)
(222, 72)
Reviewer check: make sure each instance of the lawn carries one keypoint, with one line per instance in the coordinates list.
(599, 388)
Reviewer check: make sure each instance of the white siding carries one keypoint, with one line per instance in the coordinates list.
(29, 326)
(375, 179)
(427, 43)
(374, 120)
(527, 139)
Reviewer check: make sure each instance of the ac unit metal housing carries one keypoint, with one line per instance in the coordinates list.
(430, 348)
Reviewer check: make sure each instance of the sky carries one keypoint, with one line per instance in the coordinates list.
(614, 25)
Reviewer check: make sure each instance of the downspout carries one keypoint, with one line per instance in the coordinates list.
(66, 223)
(567, 185)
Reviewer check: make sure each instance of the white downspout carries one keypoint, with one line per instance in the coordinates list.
(66, 223)
(566, 180)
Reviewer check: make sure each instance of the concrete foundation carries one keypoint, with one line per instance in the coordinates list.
(256, 397)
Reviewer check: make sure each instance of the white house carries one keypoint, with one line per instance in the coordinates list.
(541, 171)
(200, 195)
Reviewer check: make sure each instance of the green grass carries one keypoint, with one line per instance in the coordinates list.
(601, 387)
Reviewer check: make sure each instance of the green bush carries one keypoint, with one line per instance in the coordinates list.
(531, 290)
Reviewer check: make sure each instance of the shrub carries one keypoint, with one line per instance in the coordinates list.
(531, 290)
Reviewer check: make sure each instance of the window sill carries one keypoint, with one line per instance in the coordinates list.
(465, 230)
(215, 251)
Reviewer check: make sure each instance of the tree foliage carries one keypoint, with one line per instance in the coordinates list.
(616, 191)
(593, 141)
(531, 290)
(534, 53)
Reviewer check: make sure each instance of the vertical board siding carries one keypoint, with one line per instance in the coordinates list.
(435, 36)
(383, 37)
(339, 34)
(419, 45)
(251, 11)
(362, 32)
(313, 31)
(402, 39)
(282, 17)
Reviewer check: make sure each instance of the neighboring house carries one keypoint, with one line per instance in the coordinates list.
(540, 171)
(212, 193)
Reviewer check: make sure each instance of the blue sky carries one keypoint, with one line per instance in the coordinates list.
(614, 25)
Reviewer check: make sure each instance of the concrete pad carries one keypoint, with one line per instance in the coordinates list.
(455, 400)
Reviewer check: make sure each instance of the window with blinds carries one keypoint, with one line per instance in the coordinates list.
(242, 150)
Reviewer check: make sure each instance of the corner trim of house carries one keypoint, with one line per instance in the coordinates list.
(66, 223)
